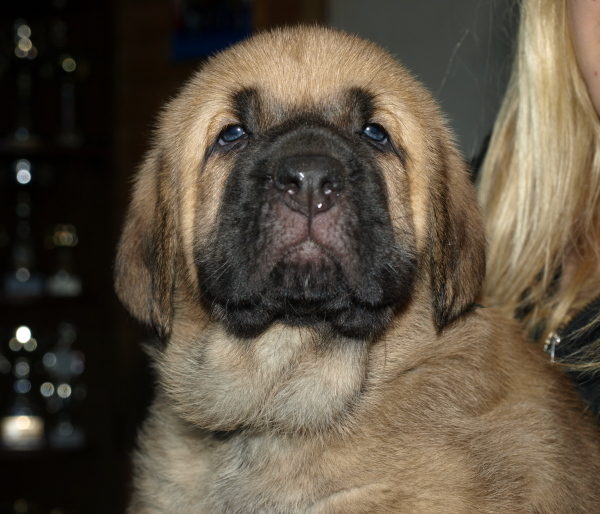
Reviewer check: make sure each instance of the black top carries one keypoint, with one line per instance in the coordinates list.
(574, 338)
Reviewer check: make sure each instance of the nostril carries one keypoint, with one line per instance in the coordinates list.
(329, 188)
(288, 178)
(332, 178)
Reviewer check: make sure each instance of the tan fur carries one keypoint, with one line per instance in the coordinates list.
(449, 410)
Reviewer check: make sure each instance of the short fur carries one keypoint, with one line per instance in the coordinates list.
(325, 355)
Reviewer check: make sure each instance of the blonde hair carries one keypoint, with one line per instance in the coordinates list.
(540, 181)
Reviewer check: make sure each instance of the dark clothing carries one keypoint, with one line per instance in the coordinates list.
(574, 338)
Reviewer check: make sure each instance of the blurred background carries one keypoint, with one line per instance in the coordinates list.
(80, 85)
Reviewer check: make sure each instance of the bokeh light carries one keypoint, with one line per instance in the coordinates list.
(23, 334)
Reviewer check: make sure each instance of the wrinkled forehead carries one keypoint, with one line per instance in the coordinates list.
(256, 108)
(296, 69)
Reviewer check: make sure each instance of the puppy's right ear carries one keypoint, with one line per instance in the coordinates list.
(144, 267)
(457, 240)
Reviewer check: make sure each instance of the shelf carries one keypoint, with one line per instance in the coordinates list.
(85, 298)
(49, 151)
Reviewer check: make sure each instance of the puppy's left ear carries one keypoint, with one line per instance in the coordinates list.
(145, 263)
(456, 239)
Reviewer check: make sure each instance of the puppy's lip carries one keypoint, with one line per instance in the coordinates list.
(307, 253)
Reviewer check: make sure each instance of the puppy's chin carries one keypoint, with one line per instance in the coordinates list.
(289, 380)
(308, 290)
(310, 286)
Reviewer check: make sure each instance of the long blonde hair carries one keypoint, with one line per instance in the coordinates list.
(540, 181)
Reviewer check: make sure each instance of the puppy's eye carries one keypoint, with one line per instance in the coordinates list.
(375, 132)
(231, 134)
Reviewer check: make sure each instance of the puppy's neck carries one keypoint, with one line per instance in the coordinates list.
(290, 379)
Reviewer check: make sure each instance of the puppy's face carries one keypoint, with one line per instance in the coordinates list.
(300, 179)
(303, 233)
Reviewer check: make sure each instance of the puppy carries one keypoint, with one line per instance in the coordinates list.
(305, 242)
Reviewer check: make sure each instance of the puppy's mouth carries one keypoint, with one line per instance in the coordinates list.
(307, 273)
(306, 255)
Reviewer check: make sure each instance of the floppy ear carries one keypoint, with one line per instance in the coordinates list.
(144, 267)
(457, 238)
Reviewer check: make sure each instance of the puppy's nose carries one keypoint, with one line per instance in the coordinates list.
(310, 183)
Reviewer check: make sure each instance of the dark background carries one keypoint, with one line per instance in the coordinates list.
(131, 56)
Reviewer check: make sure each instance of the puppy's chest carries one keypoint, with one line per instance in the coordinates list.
(268, 474)
(271, 475)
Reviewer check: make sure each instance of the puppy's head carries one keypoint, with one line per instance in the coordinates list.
(301, 177)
